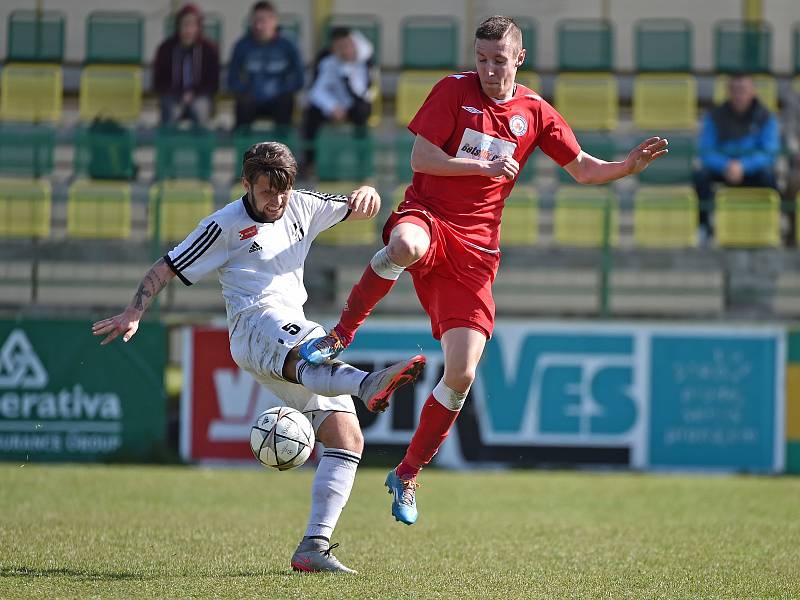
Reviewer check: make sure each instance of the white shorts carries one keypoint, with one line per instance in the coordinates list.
(260, 342)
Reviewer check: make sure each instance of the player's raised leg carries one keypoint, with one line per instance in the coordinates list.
(408, 243)
(341, 435)
(462, 348)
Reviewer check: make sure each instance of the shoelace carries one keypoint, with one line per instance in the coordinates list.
(327, 553)
(409, 491)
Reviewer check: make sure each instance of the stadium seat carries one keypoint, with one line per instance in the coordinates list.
(236, 191)
(184, 153)
(585, 45)
(665, 101)
(766, 90)
(291, 26)
(675, 167)
(530, 80)
(99, 209)
(111, 91)
(25, 207)
(665, 217)
(797, 220)
(35, 36)
(348, 233)
(747, 217)
(600, 145)
(403, 145)
(368, 25)
(430, 43)
(529, 41)
(579, 218)
(663, 45)
(246, 135)
(588, 101)
(114, 37)
(667, 291)
(16, 281)
(412, 89)
(520, 217)
(399, 194)
(344, 153)
(796, 49)
(183, 204)
(742, 47)
(31, 92)
(104, 150)
(26, 150)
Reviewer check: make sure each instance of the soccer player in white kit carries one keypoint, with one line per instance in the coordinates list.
(258, 245)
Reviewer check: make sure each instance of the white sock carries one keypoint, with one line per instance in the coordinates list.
(448, 397)
(384, 266)
(332, 379)
(330, 490)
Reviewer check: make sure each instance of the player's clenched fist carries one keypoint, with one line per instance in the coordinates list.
(365, 202)
(505, 166)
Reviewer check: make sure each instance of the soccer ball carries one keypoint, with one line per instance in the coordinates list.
(282, 438)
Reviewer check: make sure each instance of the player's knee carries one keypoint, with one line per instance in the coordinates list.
(459, 378)
(406, 249)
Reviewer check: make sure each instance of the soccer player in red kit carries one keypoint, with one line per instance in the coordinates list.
(474, 133)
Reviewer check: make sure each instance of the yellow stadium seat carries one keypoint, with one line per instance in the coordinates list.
(348, 233)
(747, 217)
(377, 103)
(520, 226)
(99, 209)
(113, 91)
(530, 80)
(580, 216)
(766, 90)
(184, 203)
(665, 101)
(588, 101)
(25, 207)
(237, 191)
(412, 89)
(796, 84)
(665, 217)
(31, 92)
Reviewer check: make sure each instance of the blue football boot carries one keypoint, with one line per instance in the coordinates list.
(404, 492)
(323, 349)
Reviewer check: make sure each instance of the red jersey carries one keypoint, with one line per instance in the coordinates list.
(464, 122)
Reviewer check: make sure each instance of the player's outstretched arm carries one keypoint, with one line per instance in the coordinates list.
(364, 203)
(590, 170)
(127, 322)
(427, 157)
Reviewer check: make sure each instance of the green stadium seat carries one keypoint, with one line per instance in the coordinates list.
(665, 101)
(212, 26)
(348, 233)
(430, 43)
(26, 150)
(114, 37)
(663, 45)
(183, 203)
(111, 91)
(412, 89)
(796, 47)
(368, 25)
(344, 153)
(766, 89)
(291, 26)
(585, 45)
(403, 145)
(184, 153)
(665, 217)
(529, 41)
(742, 47)
(675, 167)
(520, 217)
(31, 92)
(105, 151)
(25, 207)
(246, 135)
(99, 209)
(35, 37)
(588, 101)
(747, 217)
(600, 145)
(580, 216)
(797, 220)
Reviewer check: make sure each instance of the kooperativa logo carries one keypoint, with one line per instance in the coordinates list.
(20, 367)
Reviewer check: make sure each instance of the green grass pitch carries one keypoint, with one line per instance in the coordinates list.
(167, 532)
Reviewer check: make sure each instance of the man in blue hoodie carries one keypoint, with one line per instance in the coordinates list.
(265, 70)
(739, 144)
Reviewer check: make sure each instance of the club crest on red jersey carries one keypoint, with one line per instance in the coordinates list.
(518, 125)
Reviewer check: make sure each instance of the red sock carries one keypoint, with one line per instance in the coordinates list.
(435, 422)
(362, 299)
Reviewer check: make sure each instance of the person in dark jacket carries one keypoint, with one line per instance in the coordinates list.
(186, 70)
(265, 71)
(739, 144)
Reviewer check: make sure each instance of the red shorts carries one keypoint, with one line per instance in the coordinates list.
(454, 279)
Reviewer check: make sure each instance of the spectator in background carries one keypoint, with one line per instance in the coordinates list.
(340, 91)
(186, 70)
(265, 70)
(739, 144)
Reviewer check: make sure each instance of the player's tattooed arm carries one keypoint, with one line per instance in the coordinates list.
(127, 322)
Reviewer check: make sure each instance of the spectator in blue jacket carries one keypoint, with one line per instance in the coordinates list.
(265, 71)
(739, 144)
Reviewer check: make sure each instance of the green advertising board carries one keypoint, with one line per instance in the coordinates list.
(63, 397)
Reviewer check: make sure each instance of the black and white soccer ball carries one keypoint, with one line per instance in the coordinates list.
(282, 438)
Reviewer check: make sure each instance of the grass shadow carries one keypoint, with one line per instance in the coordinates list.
(72, 573)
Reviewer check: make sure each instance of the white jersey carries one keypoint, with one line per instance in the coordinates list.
(259, 264)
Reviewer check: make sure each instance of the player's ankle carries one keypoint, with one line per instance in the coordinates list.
(406, 471)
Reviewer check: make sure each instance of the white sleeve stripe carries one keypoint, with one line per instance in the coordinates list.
(200, 239)
(199, 250)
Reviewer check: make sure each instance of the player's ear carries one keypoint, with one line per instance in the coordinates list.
(521, 58)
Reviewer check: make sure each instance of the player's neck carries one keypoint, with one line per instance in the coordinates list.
(508, 96)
